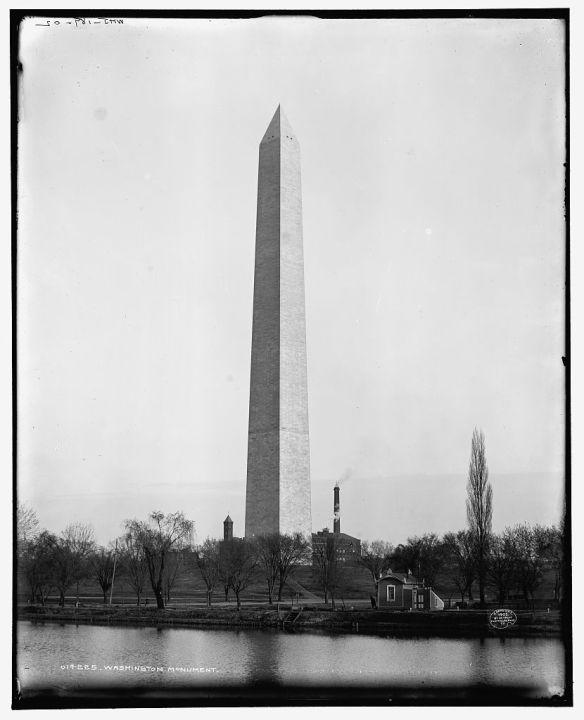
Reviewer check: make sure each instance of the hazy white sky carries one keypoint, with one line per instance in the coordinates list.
(432, 161)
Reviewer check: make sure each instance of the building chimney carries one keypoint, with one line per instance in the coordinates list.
(228, 528)
(337, 509)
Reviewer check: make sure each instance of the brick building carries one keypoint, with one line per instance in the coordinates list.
(397, 591)
(347, 548)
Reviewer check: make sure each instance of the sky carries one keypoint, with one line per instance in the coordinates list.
(434, 243)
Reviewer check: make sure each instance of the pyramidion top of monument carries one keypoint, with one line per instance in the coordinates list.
(279, 127)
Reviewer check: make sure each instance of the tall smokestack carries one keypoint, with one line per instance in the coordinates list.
(337, 508)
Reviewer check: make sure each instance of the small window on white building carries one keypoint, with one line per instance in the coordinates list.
(391, 593)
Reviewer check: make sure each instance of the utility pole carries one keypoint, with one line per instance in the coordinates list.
(114, 572)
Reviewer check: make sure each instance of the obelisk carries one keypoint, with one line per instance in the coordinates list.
(278, 458)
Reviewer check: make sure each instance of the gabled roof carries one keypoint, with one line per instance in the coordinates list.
(401, 577)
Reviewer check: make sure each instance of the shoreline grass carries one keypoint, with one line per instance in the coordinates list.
(464, 623)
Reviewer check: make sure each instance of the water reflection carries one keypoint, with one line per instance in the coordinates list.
(259, 650)
(76, 656)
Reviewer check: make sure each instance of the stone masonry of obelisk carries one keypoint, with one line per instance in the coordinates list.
(278, 460)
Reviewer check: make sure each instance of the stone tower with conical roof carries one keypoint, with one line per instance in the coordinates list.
(278, 460)
(228, 528)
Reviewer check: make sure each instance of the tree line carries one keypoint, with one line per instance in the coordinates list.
(153, 552)
(514, 561)
(149, 551)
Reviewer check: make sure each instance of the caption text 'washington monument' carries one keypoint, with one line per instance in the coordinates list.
(278, 463)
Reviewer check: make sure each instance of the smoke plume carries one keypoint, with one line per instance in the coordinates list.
(345, 477)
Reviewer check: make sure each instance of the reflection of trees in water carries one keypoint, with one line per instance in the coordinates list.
(166, 647)
(493, 661)
(261, 655)
(275, 656)
(477, 654)
(239, 655)
(246, 656)
(500, 661)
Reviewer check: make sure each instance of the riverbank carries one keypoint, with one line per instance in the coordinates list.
(451, 623)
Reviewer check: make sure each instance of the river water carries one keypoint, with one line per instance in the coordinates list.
(68, 658)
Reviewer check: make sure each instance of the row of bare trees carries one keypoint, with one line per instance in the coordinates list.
(156, 550)
(57, 562)
(515, 561)
(234, 564)
(469, 554)
(153, 553)
(149, 550)
(160, 542)
(228, 564)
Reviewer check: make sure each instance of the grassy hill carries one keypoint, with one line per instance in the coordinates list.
(189, 587)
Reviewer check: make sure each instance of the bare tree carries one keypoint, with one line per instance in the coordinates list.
(502, 566)
(243, 562)
(103, 568)
(63, 565)
(38, 565)
(71, 552)
(529, 545)
(553, 552)
(460, 562)
(423, 556)
(225, 570)
(405, 557)
(133, 561)
(328, 567)
(171, 572)
(479, 507)
(79, 538)
(375, 557)
(207, 558)
(27, 524)
(159, 536)
(268, 550)
(293, 550)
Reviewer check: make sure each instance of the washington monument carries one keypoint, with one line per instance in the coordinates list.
(278, 458)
